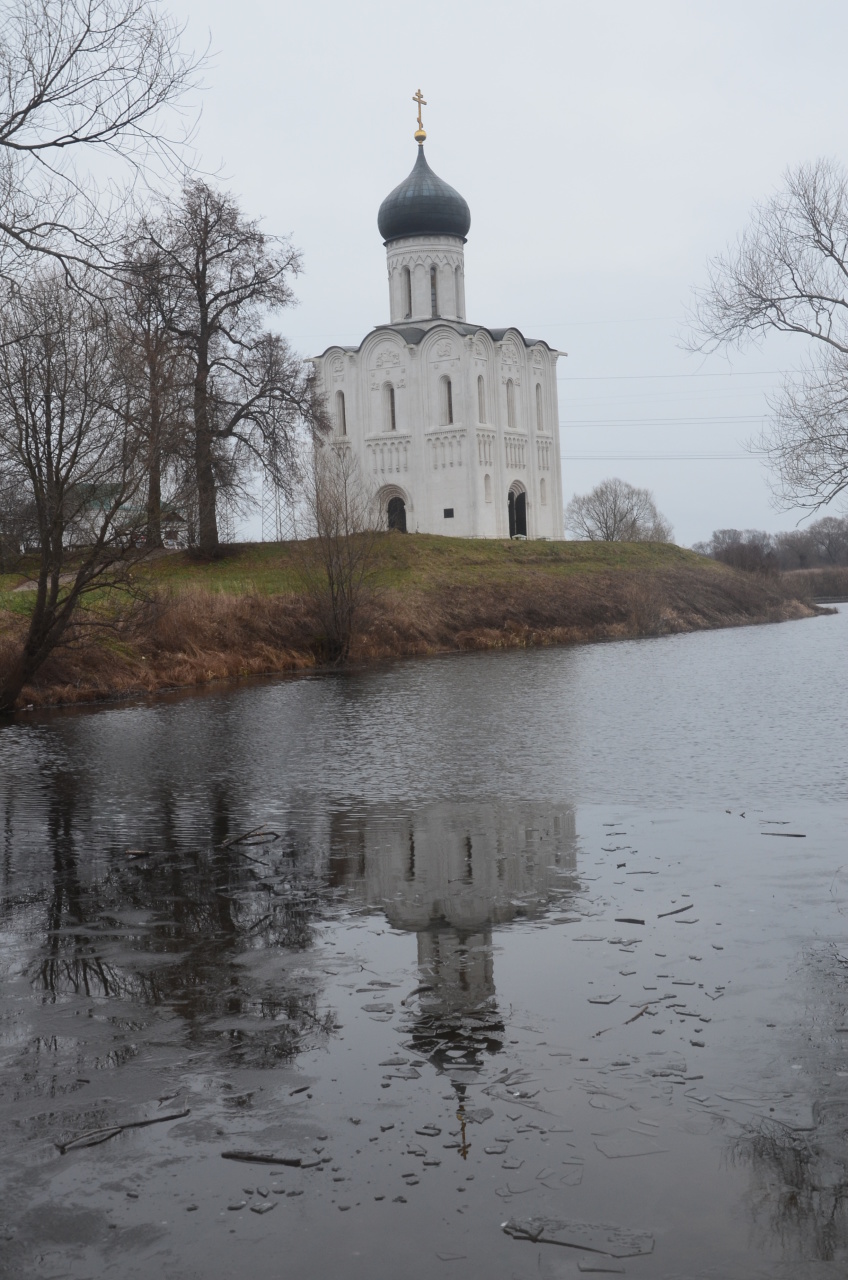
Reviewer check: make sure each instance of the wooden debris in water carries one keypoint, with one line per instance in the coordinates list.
(263, 1157)
(95, 1136)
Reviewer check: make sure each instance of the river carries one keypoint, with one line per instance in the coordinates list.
(533, 964)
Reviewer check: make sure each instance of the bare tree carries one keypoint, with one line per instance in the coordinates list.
(337, 560)
(616, 511)
(752, 550)
(252, 397)
(65, 438)
(830, 539)
(76, 77)
(788, 273)
(18, 524)
(158, 376)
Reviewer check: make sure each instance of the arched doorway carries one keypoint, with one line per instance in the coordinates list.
(517, 504)
(396, 512)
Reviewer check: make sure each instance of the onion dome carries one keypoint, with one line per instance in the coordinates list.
(423, 205)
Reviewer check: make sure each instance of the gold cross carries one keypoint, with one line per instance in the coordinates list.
(419, 98)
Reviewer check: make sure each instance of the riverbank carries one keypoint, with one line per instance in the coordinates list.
(248, 612)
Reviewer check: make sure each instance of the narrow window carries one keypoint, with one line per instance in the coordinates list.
(543, 493)
(389, 406)
(445, 402)
(406, 292)
(434, 293)
(457, 277)
(481, 399)
(510, 404)
(487, 487)
(539, 421)
(341, 420)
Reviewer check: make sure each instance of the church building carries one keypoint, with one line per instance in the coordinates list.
(455, 426)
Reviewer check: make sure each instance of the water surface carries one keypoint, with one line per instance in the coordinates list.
(599, 893)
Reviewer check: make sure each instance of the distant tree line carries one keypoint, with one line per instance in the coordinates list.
(822, 544)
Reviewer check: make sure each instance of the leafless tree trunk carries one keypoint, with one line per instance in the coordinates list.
(252, 397)
(65, 436)
(158, 376)
(788, 273)
(337, 562)
(82, 77)
(617, 512)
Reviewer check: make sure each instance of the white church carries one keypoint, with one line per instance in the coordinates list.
(455, 426)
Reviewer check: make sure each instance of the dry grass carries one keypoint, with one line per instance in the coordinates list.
(194, 629)
(816, 584)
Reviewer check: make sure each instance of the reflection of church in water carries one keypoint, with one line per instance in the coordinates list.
(449, 873)
(455, 426)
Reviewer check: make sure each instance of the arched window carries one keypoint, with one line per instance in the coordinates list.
(487, 487)
(445, 402)
(341, 420)
(434, 292)
(540, 424)
(543, 493)
(481, 399)
(389, 417)
(510, 403)
(457, 280)
(406, 293)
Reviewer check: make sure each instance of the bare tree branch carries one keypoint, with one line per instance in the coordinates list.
(84, 77)
(788, 273)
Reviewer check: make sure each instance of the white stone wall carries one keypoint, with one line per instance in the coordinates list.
(435, 464)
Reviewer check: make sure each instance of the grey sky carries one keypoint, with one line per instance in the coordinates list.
(606, 150)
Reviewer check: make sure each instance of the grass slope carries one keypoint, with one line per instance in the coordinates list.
(246, 613)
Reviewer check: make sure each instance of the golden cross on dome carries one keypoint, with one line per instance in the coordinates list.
(418, 97)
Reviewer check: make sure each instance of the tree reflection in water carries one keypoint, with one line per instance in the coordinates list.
(172, 929)
(215, 930)
(799, 1192)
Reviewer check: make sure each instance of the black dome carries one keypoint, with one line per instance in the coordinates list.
(423, 205)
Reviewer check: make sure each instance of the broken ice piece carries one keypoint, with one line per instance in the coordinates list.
(599, 1238)
(600, 1267)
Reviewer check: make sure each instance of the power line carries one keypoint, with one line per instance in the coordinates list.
(659, 457)
(641, 377)
(582, 424)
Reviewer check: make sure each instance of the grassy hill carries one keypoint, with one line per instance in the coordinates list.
(248, 613)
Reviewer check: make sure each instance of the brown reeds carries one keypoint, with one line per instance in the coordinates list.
(817, 584)
(189, 635)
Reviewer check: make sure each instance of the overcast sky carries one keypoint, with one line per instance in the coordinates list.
(606, 149)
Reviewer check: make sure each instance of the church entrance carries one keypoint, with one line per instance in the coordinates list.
(397, 514)
(517, 503)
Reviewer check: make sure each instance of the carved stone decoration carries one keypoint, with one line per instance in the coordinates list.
(444, 350)
(337, 368)
(479, 351)
(386, 357)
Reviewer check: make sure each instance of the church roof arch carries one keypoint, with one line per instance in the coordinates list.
(435, 342)
(413, 335)
(380, 341)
